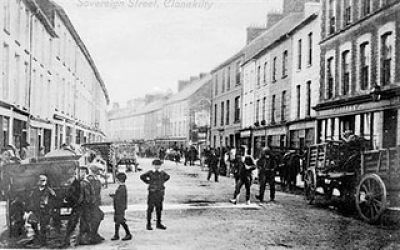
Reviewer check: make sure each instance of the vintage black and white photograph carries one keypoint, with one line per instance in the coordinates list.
(200, 124)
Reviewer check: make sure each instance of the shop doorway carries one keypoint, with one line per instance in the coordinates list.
(389, 128)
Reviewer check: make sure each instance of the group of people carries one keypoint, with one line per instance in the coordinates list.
(242, 166)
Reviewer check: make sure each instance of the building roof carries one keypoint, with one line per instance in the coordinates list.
(49, 7)
(273, 34)
(229, 60)
(191, 89)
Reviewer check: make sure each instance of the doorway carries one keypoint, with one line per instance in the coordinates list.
(389, 128)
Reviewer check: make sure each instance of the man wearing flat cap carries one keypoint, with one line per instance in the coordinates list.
(155, 179)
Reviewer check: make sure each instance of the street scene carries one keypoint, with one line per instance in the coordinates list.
(199, 216)
(199, 124)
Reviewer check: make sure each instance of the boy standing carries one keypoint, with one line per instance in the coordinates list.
(155, 179)
(120, 205)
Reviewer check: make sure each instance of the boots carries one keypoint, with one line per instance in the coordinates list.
(116, 234)
(234, 200)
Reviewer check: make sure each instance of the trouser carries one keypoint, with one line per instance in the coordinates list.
(96, 218)
(211, 170)
(72, 223)
(155, 200)
(246, 181)
(263, 179)
(119, 220)
(85, 228)
(44, 222)
(186, 160)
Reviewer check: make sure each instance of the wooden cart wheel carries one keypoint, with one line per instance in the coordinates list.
(309, 186)
(371, 198)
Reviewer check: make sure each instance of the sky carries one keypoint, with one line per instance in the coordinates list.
(142, 46)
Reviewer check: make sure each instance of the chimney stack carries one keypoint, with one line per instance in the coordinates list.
(273, 18)
(182, 85)
(202, 74)
(253, 32)
(293, 6)
(193, 78)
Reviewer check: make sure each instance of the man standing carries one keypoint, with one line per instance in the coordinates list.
(41, 204)
(155, 179)
(266, 173)
(86, 200)
(213, 166)
(96, 214)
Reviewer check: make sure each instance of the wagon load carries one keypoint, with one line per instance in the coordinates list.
(366, 181)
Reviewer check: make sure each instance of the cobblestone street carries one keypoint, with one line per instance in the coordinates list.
(198, 216)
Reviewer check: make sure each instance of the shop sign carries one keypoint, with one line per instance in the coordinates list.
(245, 133)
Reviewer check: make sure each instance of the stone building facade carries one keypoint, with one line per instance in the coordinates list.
(226, 102)
(47, 73)
(359, 71)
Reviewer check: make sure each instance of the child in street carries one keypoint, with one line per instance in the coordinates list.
(120, 205)
(155, 179)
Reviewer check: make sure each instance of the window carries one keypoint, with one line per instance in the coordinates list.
(265, 72)
(228, 106)
(237, 109)
(299, 54)
(257, 110)
(346, 12)
(237, 73)
(284, 63)
(310, 48)
(18, 20)
(345, 72)
(329, 78)
(27, 28)
(223, 81)
(222, 113)
(6, 72)
(26, 86)
(298, 101)
(215, 85)
(6, 15)
(17, 81)
(283, 106)
(274, 70)
(228, 79)
(364, 66)
(273, 109)
(386, 58)
(308, 101)
(366, 7)
(264, 106)
(258, 76)
(332, 16)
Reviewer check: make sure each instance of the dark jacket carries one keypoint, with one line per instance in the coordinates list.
(41, 201)
(155, 180)
(240, 171)
(86, 197)
(96, 185)
(267, 163)
(120, 200)
(213, 161)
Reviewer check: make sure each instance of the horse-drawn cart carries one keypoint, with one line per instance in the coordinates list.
(19, 180)
(365, 180)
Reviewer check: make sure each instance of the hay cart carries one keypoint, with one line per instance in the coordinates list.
(367, 181)
(19, 180)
